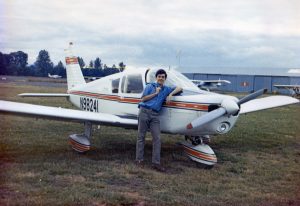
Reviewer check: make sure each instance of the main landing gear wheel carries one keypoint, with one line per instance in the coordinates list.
(81, 142)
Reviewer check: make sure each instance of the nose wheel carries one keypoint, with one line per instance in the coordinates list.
(196, 149)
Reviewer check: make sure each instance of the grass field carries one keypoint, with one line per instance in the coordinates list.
(258, 162)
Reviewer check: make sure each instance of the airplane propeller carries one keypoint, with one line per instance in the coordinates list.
(252, 96)
(228, 107)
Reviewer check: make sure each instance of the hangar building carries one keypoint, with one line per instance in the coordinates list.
(249, 83)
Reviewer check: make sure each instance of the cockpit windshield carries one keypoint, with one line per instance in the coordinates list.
(174, 78)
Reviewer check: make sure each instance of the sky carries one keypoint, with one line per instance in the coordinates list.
(191, 35)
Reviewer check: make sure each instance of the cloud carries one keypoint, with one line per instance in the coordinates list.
(150, 33)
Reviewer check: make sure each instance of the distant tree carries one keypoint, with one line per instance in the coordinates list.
(97, 64)
(43, 64)
(4, 63)
(18, 59)
(121, 66)
(110, 70)
(81, 62)
(60, 69)
(114, 70)
(17, 63)
(91, 65)
(31, 70)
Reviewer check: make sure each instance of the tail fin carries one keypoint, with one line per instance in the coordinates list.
(74, 74)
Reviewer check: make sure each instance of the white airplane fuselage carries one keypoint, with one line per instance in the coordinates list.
(99, 96)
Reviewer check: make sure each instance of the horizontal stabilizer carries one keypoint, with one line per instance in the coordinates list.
(58, 113)
(43, 95)
(266, 103)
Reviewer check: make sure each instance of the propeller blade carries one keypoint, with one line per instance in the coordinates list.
(252, 96)
(210, 116)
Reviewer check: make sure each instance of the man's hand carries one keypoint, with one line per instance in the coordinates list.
(176, 90)
(157, 90)
(150, 96)
(168, 100)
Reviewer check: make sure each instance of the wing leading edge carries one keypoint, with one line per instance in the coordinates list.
(57, 113)
(43, 95)
(266, 103)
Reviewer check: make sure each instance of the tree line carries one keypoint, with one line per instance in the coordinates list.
(16, 63)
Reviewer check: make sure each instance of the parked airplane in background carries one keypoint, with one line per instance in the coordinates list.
(91, 78)
(210, 84)
(112, 100)
(54, 76)
(294, 88)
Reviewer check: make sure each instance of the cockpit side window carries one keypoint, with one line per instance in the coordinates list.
(133, 83)
(115, 85)
(174, 79)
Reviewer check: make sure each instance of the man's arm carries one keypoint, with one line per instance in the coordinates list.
(175, 91)
(150, 96)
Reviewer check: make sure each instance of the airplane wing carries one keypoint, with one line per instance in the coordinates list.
(286, 86)
(58, 113)
(266, 103)
(43, 95)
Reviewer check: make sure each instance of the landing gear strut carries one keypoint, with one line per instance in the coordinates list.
(196, 140)
(81, 142)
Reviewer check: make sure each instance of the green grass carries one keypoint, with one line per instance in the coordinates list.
(258, 162)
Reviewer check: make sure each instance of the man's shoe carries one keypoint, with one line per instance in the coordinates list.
(139, 163)
(158, 168)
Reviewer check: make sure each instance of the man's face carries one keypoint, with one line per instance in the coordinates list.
(160, 79)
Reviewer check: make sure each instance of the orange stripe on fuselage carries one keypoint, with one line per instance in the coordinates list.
(187, 105)
(172, 104)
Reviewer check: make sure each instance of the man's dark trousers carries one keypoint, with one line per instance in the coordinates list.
(148, 119)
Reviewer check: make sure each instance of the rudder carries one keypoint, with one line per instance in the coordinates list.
(74, 74)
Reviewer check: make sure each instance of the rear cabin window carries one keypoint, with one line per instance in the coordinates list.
(115, 85)
(132, 84)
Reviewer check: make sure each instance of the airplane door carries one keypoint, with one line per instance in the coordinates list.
(132, 88)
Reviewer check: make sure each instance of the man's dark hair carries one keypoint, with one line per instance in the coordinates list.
(161, 71)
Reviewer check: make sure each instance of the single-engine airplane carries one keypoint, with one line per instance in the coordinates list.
(113, 100)
(210, 84)
(295, 89)
(54, 76)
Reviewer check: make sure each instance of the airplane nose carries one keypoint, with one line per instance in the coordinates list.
(230, 106)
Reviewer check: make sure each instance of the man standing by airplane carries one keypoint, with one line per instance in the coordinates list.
(153, 98)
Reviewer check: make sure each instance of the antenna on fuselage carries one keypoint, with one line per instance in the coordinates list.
(178, 55)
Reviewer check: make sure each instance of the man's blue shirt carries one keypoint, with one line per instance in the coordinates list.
(156, 102)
